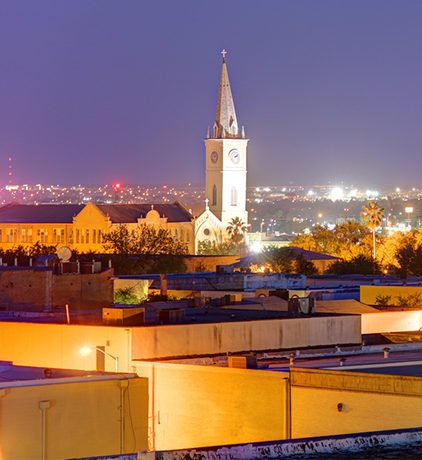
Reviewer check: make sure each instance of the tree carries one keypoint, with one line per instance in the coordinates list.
(144, 239)
(278, 260)
(347, 240)
(360, 265)
(306, 267)
(372, 216)
(145, 249)
(409, 255)
(213, 248)
(236, 230)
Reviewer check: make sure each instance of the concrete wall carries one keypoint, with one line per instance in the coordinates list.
(274, 281)
(372, 402)
(193, 406)
(394, 321)
(209, 262)
(59, 345)
(39, 290)
(26, 289)
(83, 291)
(368, 294)
(168, 341)
(83, 419)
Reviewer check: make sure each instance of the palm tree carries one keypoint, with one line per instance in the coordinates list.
(236, 230)
(372, 216)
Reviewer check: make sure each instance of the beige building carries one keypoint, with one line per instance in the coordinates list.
(82, 227)
(56, 413)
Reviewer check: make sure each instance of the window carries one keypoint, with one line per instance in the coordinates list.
(58, 235)
(71, 237)
(214, 196)
(181, 234)
(234, 196)
(99, 236)
(87, 236)
(77, 235)
(26, 235)
(11, 235)
(94, 236)
(1, 235)
(176, 234)
(187, 236)
(42, 235)
(171, 233)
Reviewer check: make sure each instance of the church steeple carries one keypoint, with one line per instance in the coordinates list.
(225, 125)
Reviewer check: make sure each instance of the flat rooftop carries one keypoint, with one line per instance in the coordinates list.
(11, 375)
(403, 360)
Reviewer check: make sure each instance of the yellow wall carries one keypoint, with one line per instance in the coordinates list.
(58, 345)
(82, 421)
(373, 402)
(194, 406)
(368, 294)
(160, 342)
(48, 237)
(90, 218)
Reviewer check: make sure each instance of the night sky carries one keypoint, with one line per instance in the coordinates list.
(97, 91)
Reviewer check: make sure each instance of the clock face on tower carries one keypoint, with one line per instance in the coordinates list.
(234, 156)
(214, 157)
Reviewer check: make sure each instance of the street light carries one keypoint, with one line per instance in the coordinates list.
(408, 210)
(262, 223)
(87, 350)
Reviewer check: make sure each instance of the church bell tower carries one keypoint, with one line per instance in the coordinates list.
(226, 154)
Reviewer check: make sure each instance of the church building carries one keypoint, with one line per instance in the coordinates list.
(82, 227)
(225, 173)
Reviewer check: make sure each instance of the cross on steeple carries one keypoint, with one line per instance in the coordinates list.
(224, 52)
(206, 204)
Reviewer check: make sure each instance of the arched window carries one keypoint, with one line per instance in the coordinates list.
(214, 196)
(234, 196)
(176, 235)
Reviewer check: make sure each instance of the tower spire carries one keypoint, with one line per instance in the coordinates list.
(225, 120)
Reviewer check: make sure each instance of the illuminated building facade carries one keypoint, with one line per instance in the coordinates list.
(225, 174)
(83, 226)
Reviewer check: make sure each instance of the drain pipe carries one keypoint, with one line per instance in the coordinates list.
(123, 384)
(44, 405)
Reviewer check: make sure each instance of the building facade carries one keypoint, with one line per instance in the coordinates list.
(82, 227)
(226, 169)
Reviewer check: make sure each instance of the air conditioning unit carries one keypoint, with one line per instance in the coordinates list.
(124, 316)
(243, 362)
(301, 306)
(171, 316)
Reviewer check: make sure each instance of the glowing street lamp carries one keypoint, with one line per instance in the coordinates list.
(87, 350)
(408, 210)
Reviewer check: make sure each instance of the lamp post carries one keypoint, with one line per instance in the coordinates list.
(408, 210)
(87, 350)
(262, 223)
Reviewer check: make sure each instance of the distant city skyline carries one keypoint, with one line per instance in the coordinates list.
(100, 92)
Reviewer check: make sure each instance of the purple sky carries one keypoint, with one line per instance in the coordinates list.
(97, 91)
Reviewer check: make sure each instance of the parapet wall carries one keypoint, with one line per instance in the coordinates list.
(38, 289)
(170, 341)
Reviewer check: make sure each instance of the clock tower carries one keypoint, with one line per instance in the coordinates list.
(226, 149)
